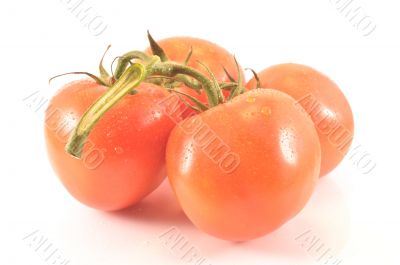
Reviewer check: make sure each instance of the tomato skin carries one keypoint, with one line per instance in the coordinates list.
(208, 53)
(278, 161)
(124, 157)
(323, 100)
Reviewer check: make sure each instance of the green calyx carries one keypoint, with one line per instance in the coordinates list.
(136, 67)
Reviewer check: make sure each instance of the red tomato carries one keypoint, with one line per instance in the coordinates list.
(208, 53)
(124, 156)
(322, 100)
(242, 169)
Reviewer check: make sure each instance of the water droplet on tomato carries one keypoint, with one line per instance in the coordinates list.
(266, 111)
(119, 150)
(250, 99)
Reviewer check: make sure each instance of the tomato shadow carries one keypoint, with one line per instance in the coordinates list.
(160, 207)
(326, 216)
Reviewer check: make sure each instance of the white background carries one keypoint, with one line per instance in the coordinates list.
(353, 215)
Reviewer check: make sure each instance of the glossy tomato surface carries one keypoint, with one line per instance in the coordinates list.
(242, 169)
(323, 101)
(124, 157)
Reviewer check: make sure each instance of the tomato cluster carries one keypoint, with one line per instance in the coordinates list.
(242, 158)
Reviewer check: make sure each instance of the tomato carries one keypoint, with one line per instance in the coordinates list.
(205, 52)
(124, 157)
(242, 169)
(322, 100)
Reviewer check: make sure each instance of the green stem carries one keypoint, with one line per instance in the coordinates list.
(131, 78)
(227, 86)
(156, 49)
(192, 83)
(170, 69)
(238, 89)
(126, 58)
(103, 72)
(200, 106)
(179, 78)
